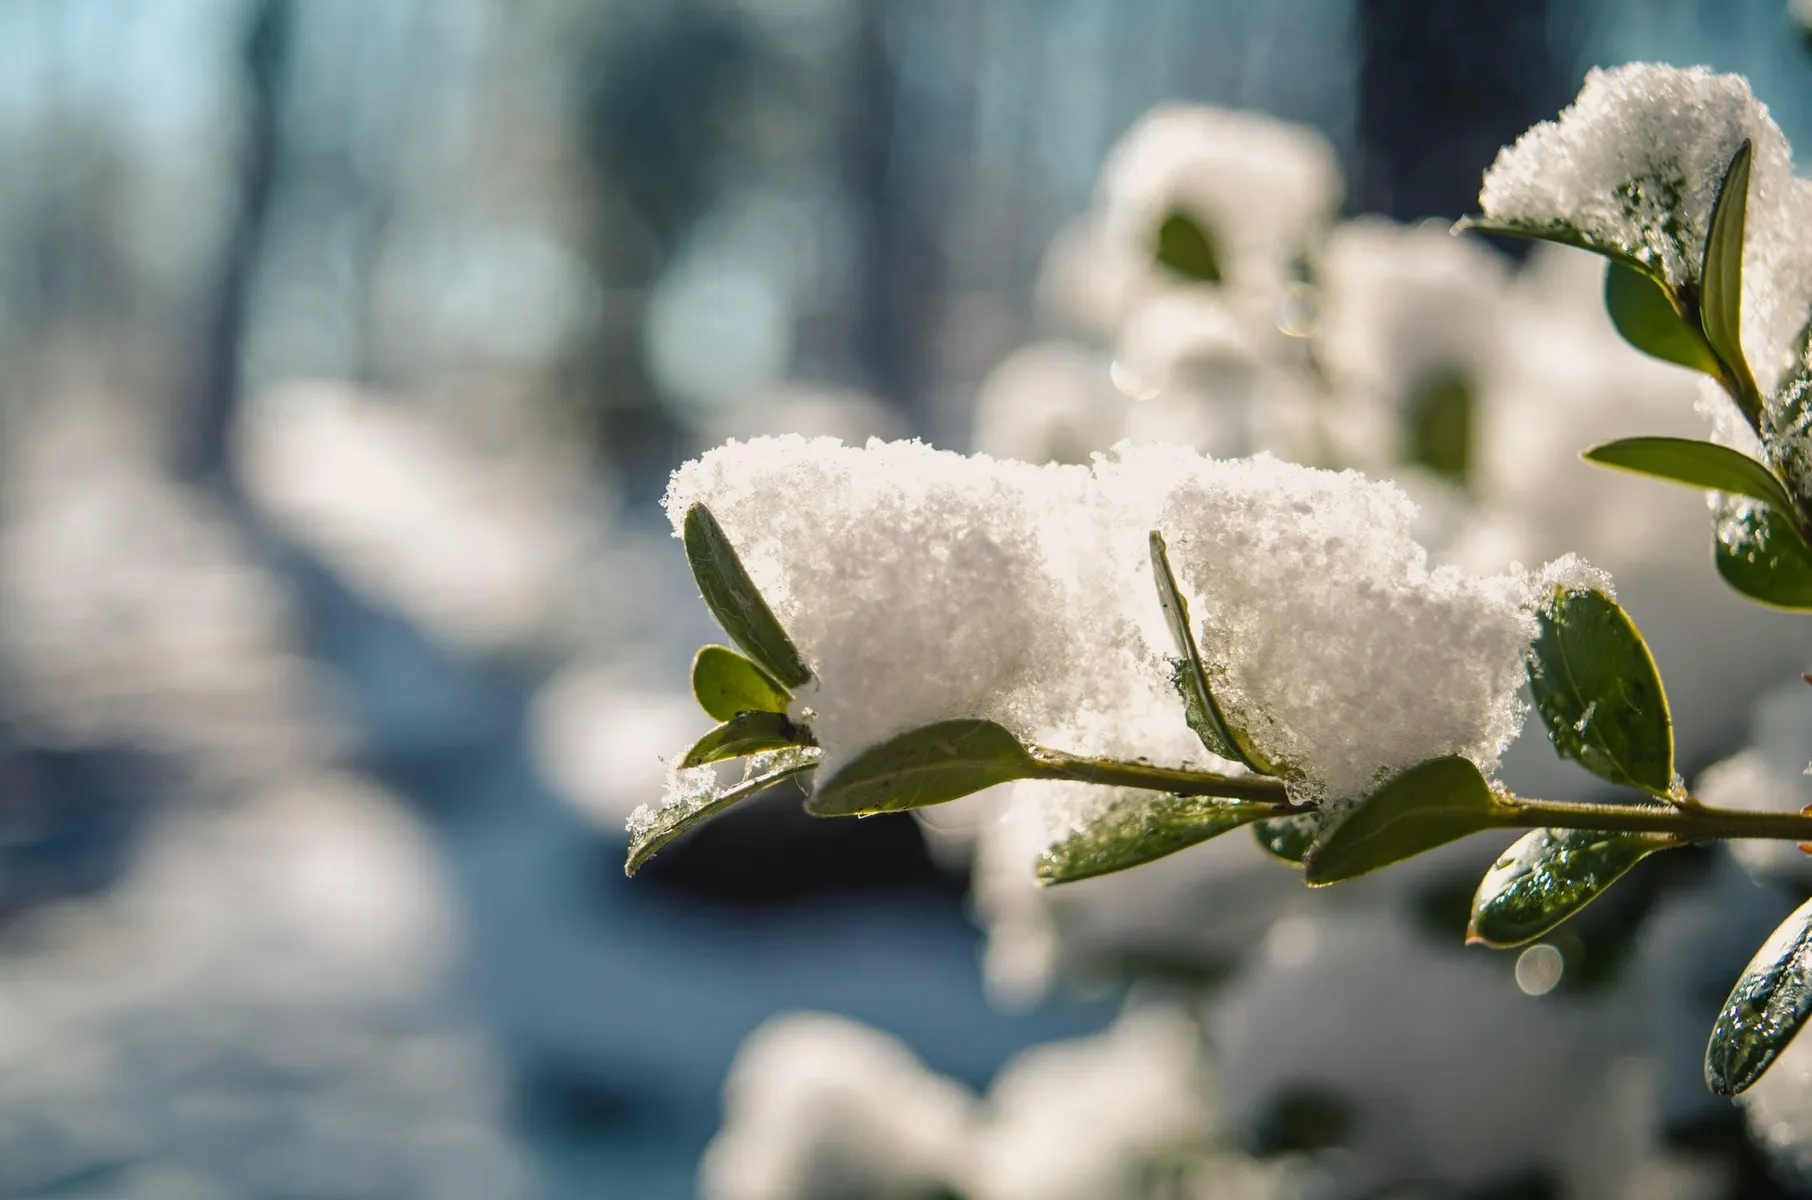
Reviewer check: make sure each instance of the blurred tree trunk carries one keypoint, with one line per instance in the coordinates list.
(206, 411)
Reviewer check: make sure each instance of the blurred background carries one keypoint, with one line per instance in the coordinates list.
(345, 349)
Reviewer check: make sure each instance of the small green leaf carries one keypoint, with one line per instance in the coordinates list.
(1139, 827)
(734, 600)
(1288, 838)
(925, 766)
(651, 830)
(1647, 319)
(1184, 245)
(1721, 283)
(1597, 690)
(1695, 464)
(1547, 876)
(1770, 1001)
(1429, 805)
(1440, 425)
(1200, 709)
(1759, 554)
(745, 733)
(725, 683)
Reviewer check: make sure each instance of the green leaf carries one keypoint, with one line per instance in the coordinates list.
(1429, 805)
(1288, 838)
(1440, 425)
(1200, 709)
(1547, 876)
(1139, 827)
(1597, 690)
(1647, 319)
(925, 766)
(1759, 554)
(1561, 235)
(734, 600)
(1185, 246)
(745, 733)
(1721, 282)
(1695, 464)
(725, 683)
(649, 831)
(1770, 1001)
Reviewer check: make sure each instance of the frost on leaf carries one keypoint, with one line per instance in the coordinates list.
(695, 794)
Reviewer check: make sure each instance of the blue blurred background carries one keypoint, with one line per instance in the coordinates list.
(344, 351)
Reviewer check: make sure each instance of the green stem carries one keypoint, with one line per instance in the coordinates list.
(1689, 822)
(1179, 781)
(1692, 823)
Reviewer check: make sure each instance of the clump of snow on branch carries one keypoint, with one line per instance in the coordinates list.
(1634, 167)
(923, 585)
(1338, 649)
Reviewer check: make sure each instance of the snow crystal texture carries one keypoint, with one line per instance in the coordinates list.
(922, 585)
(1634, 167)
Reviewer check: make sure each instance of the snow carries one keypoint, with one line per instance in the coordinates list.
(1261, 188)
(1634, 166)
(480, 545)
(255, 1010)
(818, 1107)
(1340, 652)
(138, 613)
(1403, 304)
(922, 585)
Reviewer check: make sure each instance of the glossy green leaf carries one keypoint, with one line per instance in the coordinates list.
(1598, 692)
(1721, 282)
(1770, 1001)
(1139, 827)
(1288, 838)
(1429, 805)
(1547, 876)
(725, 683)
(1647, 319)
(734, 600)
(1759, 554)
(651, 830)
(929, 765)
(1439, 419)
(1200, 708)
(743, 734)
(1185, 246)
(1695, 464)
